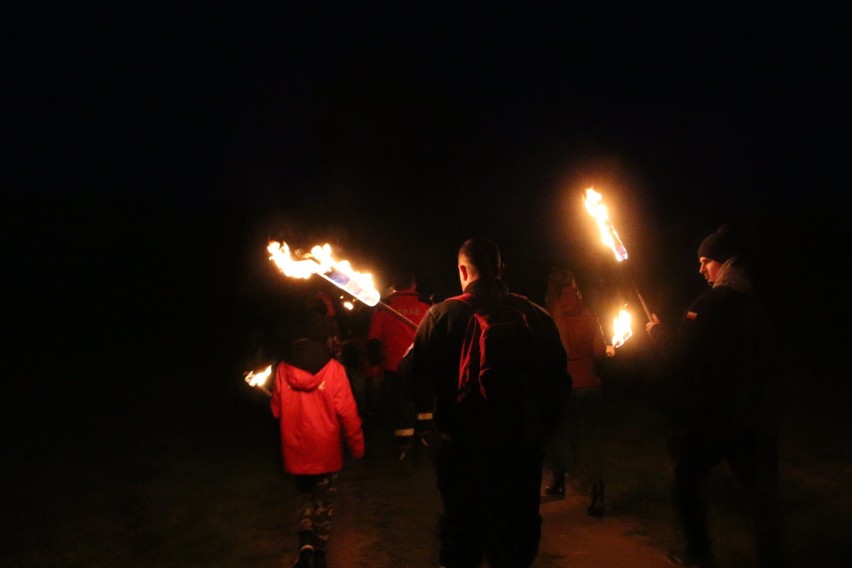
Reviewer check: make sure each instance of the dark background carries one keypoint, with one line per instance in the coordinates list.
(152, 151)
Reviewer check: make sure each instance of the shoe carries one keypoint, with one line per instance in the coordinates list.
(596, 507)
(681, 560)
(555, 488)
(306, 556)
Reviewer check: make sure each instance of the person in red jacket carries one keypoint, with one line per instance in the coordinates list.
(573, 448)
(313, 401)
(387, 341)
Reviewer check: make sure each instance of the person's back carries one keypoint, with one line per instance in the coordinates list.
(388, 339)
(489, 485)
(574, 449)
(313, 401)
(579, 328)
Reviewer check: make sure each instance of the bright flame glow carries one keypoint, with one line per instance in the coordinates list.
(320, 261)
(621, 328)
(596, 208)
(259, 378)
(348, 305)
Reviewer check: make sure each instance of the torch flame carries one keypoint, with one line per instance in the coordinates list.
(596, 208)
(621, 328)
(320, 261)
(259, 378)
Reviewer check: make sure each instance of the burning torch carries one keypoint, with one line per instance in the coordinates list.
(258, 379)
(609, 236)
(622, 330)
(338, 272)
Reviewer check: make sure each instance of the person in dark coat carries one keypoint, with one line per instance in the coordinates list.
(724, 367)
(488, 475)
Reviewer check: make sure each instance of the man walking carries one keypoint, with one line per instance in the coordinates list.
(724, 367)
(489, 464)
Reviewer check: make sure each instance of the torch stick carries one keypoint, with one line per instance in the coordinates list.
(398, 315)
(642, 301)
(339, 273)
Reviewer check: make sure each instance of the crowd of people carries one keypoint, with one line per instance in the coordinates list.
(529, 414)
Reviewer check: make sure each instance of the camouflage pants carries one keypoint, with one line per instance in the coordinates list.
(315, 505)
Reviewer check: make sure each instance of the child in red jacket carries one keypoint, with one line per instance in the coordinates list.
(314, 403)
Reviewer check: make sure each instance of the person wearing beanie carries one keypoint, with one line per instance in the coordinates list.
(720, 245)
(724, 368)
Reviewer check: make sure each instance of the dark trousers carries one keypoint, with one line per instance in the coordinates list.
(754, 462)
(491, 502)
(574, 447)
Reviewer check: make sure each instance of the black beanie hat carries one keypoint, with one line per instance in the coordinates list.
(719, 246)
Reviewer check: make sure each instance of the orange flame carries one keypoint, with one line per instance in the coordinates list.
(596, 208)
(320, 261)
(258, 379)
(621, 328)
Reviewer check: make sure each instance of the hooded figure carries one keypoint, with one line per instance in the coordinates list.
(314, 404)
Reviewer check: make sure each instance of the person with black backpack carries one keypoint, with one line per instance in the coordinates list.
(491, 366)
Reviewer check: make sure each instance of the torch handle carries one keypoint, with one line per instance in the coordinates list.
(642, 301)
(392, 311)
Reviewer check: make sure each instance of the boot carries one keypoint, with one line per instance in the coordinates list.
(596, 508)
(556, 487)
(402, 442)
(306, 556)
(306, 550)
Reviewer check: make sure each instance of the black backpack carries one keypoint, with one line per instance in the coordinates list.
(494, 369)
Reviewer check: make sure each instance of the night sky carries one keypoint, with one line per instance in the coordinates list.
(152, 150)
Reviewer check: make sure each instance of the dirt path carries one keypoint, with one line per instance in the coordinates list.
(387, 512)
(572, 538)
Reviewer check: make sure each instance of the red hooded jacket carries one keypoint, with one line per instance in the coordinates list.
(317, 412)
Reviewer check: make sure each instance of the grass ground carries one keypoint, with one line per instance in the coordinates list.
(182, 480)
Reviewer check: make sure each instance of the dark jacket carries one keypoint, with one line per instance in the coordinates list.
(434, 358)
(722, 362)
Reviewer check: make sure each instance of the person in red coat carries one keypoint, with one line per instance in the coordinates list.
(573, 449)
(313, 401)
(387, 341)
